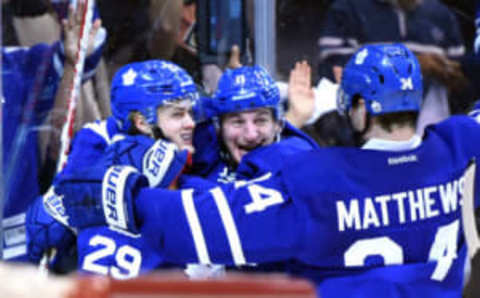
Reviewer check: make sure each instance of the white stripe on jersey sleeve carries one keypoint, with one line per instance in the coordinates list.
(195, 228)
(100, 128)
(230, 227)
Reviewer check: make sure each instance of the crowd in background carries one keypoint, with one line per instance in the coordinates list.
(324, 33)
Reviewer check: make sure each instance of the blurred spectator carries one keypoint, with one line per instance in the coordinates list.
(331, 129)
(9, 37)
(34, 22)
(465, 14)
(139, 30)
(185, 53)
(323, 123)
(297, 30)
(30, 22)
(427, 27)
(30, 77)
(154, 29)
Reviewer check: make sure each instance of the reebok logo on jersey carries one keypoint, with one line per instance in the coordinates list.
(392, 161)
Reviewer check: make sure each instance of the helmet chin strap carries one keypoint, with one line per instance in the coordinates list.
(278, 135)
(225, 155)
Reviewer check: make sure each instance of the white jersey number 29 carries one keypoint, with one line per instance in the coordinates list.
(128, 259)
(443, 250)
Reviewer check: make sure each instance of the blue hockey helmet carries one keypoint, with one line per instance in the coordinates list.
(145, 86)
(386, 76)
(246, 88)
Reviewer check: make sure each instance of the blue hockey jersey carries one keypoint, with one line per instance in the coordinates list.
(90, 144)
(100, 249)
(91, 258)
(107, 252)
(104, 251)
(207, 161)
(358, 222)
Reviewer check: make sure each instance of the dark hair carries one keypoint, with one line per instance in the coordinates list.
(332, 129)
(127, 23)
(133, 130)
(388, 121)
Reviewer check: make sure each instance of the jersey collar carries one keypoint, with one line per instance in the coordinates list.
(387, 145)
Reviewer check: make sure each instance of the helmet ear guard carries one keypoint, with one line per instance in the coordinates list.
(386, 76)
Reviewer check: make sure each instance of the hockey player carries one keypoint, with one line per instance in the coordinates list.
(247, 122)
(150, 100)
(382, 220)
(259, 93)
(247, 119)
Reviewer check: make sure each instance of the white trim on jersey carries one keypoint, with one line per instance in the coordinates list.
(229, 225)
(468, 212)
(100, 128)
(195, 227)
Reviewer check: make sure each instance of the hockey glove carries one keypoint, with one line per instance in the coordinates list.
(160, 161)
(96, 198)
(92, 198)
(44, 232)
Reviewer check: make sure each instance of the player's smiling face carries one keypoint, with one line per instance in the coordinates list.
(175, 121)
(245, 131)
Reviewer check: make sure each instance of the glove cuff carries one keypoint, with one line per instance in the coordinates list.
(119, 187)
(163, 163)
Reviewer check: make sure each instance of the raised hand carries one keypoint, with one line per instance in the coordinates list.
(234, 59)
(301, 98)
(71, 28)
